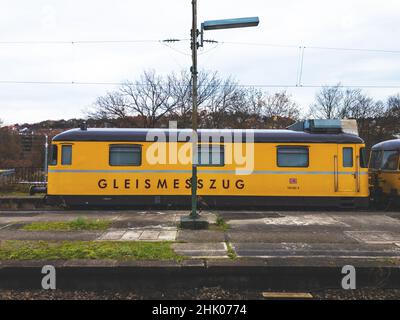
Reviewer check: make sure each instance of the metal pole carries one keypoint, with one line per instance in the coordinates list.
(194, 45)
(46, 146)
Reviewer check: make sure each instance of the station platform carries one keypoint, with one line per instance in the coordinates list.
(258, 248)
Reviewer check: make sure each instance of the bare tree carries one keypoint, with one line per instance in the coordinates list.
(222, 103)
(208, 85)
(391, 117)
(111, 107)
(153, 100)
(356, 105)
(393, 106)
(349, 102)
(151, 97)
(280, 104)
(182, 90)
(255, 101)
(247, 109)
(328, 103)
(374, 120)
(280, 110)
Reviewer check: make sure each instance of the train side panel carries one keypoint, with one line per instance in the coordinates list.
(90, 177)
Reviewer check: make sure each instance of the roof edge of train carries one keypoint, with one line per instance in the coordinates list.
(258, 135)
(393, 144)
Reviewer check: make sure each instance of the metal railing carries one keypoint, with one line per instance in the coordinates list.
(22, 175)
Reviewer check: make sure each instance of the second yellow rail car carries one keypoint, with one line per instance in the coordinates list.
(385, 171)
(103, 167)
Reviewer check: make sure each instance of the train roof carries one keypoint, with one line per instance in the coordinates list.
(388, 145)
(140, 135)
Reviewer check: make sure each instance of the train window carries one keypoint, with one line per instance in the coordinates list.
(363, 158)
(376, 159)
(125, 155)
(66, 155)
(390, 160)
(347, 157)
(53, 155)
(293, 156)
(211, 156)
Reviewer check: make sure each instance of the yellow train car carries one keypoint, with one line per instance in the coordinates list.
(384, 168)
(118, 167)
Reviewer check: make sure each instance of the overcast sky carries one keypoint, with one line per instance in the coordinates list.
(368, 24)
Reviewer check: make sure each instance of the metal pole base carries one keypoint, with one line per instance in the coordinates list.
(198, 223)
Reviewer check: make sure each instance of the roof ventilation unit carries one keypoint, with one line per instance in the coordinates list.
(83, 126)
(332, 126)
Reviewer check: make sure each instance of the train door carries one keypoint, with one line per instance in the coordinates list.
(347, 169)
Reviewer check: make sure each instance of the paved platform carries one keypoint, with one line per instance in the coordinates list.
(313, 236)
(139, 235)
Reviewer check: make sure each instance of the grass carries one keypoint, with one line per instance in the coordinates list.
(220, 225)
(231, 253)
(78, 224)
(68, 250)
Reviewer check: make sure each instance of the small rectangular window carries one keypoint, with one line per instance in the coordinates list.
(347, 157)
(125, 155)
(211, 156)
(66, 155)
(376, 159)
(363, 158)
(53, 155)
(293, 157)
(390, 160)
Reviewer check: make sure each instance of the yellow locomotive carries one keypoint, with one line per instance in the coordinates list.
(384, 170)
(313, 163)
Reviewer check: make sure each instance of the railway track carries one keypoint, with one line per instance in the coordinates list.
(203, 293)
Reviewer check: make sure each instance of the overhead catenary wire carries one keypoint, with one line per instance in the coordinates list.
(58, 42)
(167, 43)
(128, 41)
(311, 47)
(80, 83)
